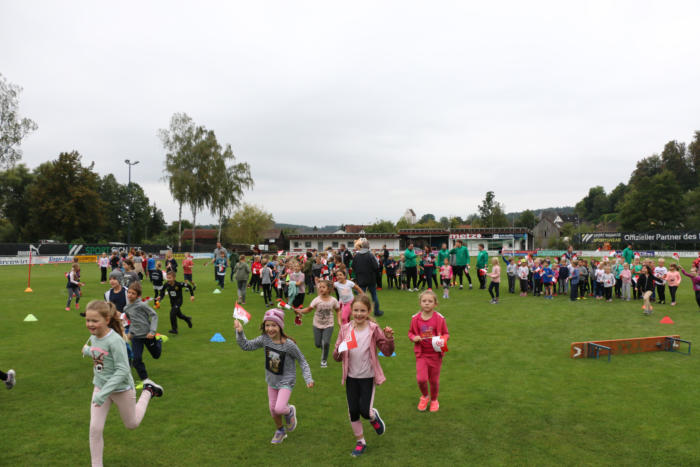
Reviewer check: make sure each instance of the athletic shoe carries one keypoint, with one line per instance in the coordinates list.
(290, 419)
(10, 381)
(360, 449)
(82, 313)
(188, 320)
(434, 406)
(470, 286)
(378, 423)
(378, 313)
(172, 331)
(423, 403)
(156, 390)
(461, 287)
(67, 308)
(280, 435)
(324, 364)
(77, 306)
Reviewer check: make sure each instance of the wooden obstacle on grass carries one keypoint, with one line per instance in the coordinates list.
(594, 349)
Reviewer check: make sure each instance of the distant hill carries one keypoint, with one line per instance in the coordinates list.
(569, 210)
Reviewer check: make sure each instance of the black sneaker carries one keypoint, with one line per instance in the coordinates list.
(156, 390)
(378, 313)
(82, 313)
(378, 423)
(360, 449)
(189, 322)
(173, 331)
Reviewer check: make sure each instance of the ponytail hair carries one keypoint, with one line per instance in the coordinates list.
(364, 299)
(109, 312)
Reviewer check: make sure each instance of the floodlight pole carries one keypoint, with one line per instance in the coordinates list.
(128, 235)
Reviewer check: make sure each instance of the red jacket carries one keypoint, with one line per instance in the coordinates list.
(414, 331)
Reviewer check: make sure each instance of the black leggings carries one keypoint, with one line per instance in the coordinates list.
(523, 285)
(267, 293)
(672, 289)
(661, 292)
(697, 297)
(360, 392)
(411, 274)
(103, 277)
(492, 286)
(429, 276)
(607, 292)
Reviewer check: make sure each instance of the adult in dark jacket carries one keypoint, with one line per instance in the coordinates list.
(345, 256)
(366, 267)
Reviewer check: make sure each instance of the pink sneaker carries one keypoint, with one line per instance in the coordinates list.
(423, 403)
(67, 308)
(77, 306)
(434, 406)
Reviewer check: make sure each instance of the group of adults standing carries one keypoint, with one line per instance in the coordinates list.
(458, 258)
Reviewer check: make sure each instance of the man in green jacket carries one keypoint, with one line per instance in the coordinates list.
(410, 264)
(628, 254)
(461, 253)
(482, 260)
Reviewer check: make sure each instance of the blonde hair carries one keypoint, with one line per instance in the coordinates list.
(428, 292)
(109, 312)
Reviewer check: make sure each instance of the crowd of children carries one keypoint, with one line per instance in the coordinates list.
(124, 325)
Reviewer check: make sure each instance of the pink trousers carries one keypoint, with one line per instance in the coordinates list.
(132, 413)
(279, 400)
(428, 371)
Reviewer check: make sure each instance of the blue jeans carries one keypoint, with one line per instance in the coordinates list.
(373, 291)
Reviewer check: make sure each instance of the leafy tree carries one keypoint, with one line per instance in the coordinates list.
(13, 207)
(456, 221)
(233, 180)
(694, 154)
(692, 201)
(426, 218)
(140, 210)
(63, 201)
(115, 211)
(646, 168)
(615, 197)
(491, 212)
(526, 219)
(178, 140)
(247, 225)
(156, 222)
(13, 128)
(679, 162)
(474, 220)
(402, 224)
(652, 204)
(381, 226)
(593, 205)
(444, 222)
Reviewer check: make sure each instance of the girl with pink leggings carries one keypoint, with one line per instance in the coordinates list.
(112, 376)
(281, 352)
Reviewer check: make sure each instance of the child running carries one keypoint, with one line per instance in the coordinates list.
(344, 287)
(73, 286)
(695, 277)
(157, 278)
(174, 290)
(142, 330)
(241, 271)
(356, 347)
(673, 277)
(324, 306)
(112, 378)
(281, 352)
(8, 378)
(429, 334)
(187, 264)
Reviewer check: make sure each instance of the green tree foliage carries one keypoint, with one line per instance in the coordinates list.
(653, 204)
(156, 222)
(63, 201)
(491, 212)
(456, 221)
(233, 179)
(13, 128)
(594, 205)
(692, 201)
(13, 208)
(381, 226)
(426, 218)
(247, 225)
(526, 219)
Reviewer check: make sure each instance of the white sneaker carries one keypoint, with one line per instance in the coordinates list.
(461, 286)
(324, 364)
(470, 286)
(10, 381)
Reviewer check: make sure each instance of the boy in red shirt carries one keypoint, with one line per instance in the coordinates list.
(187, 264)
(429, 334)
(255, 268)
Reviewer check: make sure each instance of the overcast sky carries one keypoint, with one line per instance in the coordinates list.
(350, 112)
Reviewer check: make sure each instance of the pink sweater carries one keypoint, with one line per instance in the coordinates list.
(673, 278)
(495, 274)
(696, 280)
(377, 340)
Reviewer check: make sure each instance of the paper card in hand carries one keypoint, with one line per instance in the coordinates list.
(349, 343)
(240, 314)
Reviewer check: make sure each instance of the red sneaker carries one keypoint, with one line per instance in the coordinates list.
(423, 403)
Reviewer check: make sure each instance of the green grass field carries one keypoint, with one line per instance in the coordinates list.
(510, 394)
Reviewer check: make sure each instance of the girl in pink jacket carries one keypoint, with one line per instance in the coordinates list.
(356, 347)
